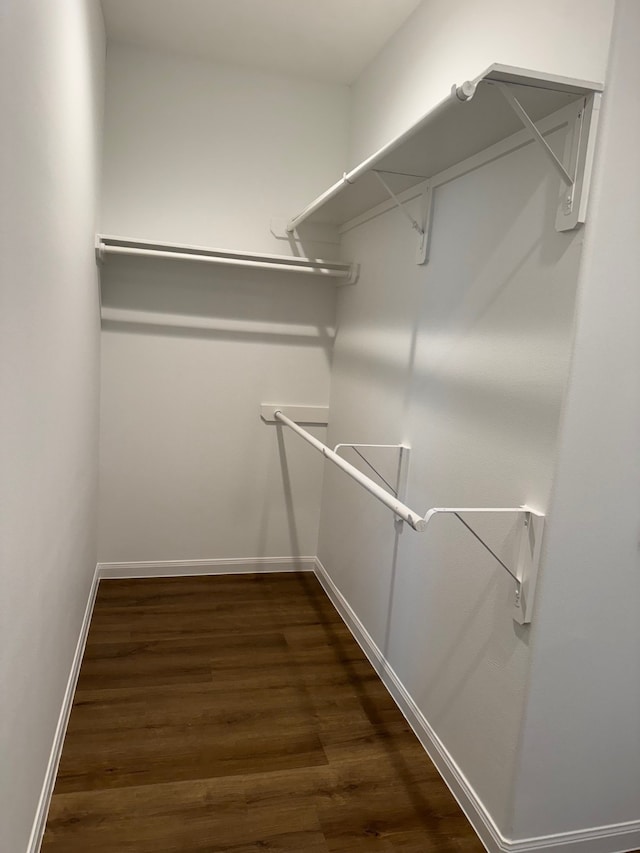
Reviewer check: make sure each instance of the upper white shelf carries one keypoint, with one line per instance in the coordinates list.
(471, 118)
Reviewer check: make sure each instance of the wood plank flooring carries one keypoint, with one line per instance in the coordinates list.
(237, 714)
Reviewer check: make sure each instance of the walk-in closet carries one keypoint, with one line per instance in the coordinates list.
(320, 383)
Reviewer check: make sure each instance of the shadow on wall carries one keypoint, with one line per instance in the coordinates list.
(491, 350)
(495, 292)
(463, 654)
(156, 297)
(289, 501)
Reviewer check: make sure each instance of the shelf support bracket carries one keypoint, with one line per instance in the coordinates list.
(414, 223)
(525, 574)
(99, 250)
(421, 230)
(526, 120)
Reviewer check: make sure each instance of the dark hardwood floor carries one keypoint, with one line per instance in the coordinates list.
(238, 714)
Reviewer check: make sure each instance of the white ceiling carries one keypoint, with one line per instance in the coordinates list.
(330, 40)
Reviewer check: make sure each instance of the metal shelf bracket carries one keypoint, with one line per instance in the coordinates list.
(578, 154)
(421, 228)
(415, 225)
(525, 574)
(524, 117)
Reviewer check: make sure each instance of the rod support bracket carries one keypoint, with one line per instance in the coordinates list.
(354, 273)
(100, 254)
(528, 546)
(466, 91)
(389, 462)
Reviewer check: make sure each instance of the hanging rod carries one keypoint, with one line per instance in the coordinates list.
(144, 248)
(413, 519)
(529, 549)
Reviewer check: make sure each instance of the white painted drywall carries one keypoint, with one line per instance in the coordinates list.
(465, 360)
(580, 763)
(201, 153)
(197, 152)
(450, 41)
(51, 73)
(332, 41)
(188, 469)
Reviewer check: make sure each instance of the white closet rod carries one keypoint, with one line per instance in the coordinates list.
(413, 519)
(236, 262)
(218, 256)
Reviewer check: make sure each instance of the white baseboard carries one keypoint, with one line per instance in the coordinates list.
(616, 838)
(224, 566)
(39, 823)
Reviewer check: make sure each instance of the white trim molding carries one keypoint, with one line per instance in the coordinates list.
(40, 821)
(223, 566)
(616, 838)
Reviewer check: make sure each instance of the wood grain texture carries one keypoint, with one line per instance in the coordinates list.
(238, 714)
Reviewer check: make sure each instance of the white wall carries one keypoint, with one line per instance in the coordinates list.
(52, 57)
(207, 154)
(467, 360)
(450, 41)
(580, 763)
(188, 469)
(202, 153)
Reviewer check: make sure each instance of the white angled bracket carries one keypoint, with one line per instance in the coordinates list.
(421, 228)
(578, 154)
(525, 573)
(524, 117)
(395, 479)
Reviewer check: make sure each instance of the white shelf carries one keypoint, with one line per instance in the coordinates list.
(473, 117)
